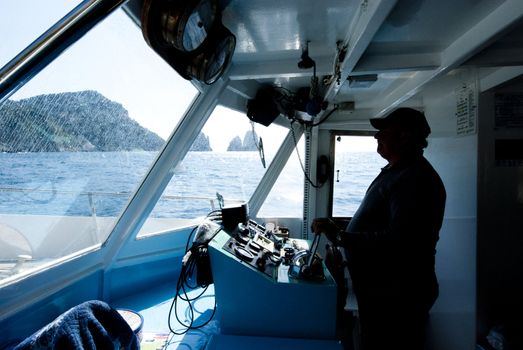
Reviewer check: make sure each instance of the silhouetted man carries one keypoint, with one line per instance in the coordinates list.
(390, 242)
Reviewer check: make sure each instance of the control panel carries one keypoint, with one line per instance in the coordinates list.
(270, 252)
(260, 272)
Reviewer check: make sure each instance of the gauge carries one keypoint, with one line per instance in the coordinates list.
(210, 64)
(220, 59)
(183, 25)
(190, 36)
(186, 26)
(198, 25)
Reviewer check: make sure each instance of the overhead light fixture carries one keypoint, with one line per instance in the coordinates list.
(189, 36)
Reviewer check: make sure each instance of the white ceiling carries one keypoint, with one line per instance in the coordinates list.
(407, 43)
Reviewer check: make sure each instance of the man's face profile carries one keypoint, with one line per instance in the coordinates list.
(389, 142)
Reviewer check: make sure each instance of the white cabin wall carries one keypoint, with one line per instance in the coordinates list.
(452, 320)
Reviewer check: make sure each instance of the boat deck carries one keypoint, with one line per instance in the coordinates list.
(156, 331)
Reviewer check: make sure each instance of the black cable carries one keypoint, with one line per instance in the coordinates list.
(309, 180)
(183, 285)
(184, 276)
(324, 119)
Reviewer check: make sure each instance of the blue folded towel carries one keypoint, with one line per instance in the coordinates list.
(91, 325)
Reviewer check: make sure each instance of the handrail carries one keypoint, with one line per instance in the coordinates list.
(52, 43)
(102, 193)
(91, 194)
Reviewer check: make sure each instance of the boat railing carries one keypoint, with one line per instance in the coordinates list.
(214, 202)
(40, 235)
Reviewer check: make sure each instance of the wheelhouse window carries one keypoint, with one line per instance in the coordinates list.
(22, 21)
(285, 199)
(223, 167)
(356, 164)
(78, 139)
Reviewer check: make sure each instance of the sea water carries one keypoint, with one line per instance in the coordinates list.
(84, 183)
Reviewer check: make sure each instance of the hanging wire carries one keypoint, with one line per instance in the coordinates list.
(184, 285)
(324, 119)
(309, 180)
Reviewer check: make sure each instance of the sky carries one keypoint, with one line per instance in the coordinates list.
(113, 58)
(132, 73)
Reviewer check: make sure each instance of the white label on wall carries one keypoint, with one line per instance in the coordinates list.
(466, 109)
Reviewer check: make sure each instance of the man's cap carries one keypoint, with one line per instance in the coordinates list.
(406, 118)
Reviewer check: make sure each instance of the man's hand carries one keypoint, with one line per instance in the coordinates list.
(327, 227)
(322, 225)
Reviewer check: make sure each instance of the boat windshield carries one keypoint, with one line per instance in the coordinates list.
(78, 138)
(23, 21)
(223, 168)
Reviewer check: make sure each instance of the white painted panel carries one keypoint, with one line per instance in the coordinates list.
(453, 317)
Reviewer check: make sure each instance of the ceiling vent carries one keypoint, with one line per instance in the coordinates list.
(362, 81)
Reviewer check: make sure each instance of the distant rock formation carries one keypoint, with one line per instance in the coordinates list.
(201, 144)
(249, 143)
(74, 121)
(71, 121)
